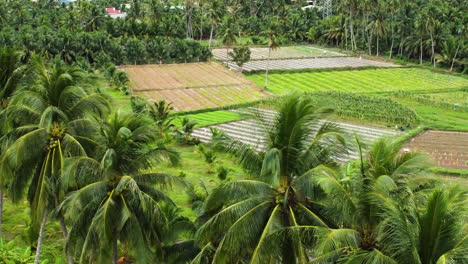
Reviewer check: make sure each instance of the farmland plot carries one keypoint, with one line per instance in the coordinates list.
(448, 149)
(361, 81)
(310, 63)
(251, 132)
(192, 86)
(291, 52)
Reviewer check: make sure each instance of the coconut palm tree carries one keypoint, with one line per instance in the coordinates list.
(160, 112)
(51, 116)
(118, 201)
(430, 234)
(228, 35)
(215, 12)
(273, 44)
(11, 73)
(384, 177)
(242, 214)
(378, 27)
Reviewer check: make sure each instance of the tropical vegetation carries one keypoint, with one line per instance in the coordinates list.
(86, 176)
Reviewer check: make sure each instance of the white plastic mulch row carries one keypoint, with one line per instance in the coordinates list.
(280, 53)
(251, 132)
(310, 63)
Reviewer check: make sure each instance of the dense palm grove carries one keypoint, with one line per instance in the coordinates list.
(90, 168)
(162, 31)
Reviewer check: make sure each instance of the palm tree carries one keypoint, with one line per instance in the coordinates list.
(365, 188)
(215, 9)
(433, 234)
(118, 201)
(378, 27)
(228, 35)
(160, 113)
(272, 45)
(11, 73)
(52, 125)
(244, 214)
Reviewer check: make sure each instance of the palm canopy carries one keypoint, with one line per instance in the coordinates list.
(246, 215)
(294, 143)
(51, 125)
(11, 72)
(118, 201)
(360, 195)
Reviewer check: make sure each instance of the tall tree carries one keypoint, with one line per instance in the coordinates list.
(272, 36)
(228, 35)
(51, 116)
(118, 200)
(378, 27)
(215, 13)
(382, 178)
(11, 73)
(244, 215)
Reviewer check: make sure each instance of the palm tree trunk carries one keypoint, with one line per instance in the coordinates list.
(63, 226)
(351, 30)
(268, 67)
(370, 44)
(393, 39)
(41, 237)
(451, 68)
(211, 36)
(201, 24)
(114, 251)
(377, 45)
(420, 51)
(1, 213)
(433, 49)
(227, 55)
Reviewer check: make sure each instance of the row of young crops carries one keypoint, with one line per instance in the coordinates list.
(456, 100)
(367, 108)
(360, 81)
(209, 118)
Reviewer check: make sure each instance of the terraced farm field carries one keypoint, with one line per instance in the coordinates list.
(290, 52)
(448, 149)
(360, 81)
(251, 132)
(193, 85)
(310, 63)
(210, 118)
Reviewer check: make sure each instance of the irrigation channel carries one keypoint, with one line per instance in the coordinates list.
(251, 132)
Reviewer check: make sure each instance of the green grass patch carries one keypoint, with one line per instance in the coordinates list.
(119, 100)
(198, 173)
(210, 118)
(360, 81)
(455, 100)
(438, 118)
(451, 172)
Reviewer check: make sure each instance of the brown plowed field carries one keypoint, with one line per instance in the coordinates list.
(193, 85)
(448, 149)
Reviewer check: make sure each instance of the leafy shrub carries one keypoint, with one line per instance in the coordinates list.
(222, 173)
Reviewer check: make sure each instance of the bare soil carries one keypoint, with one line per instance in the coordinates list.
(192, 86)
(448, 149)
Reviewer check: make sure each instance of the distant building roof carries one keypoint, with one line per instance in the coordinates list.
(115, 13)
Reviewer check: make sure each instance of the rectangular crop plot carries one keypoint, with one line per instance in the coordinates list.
(291, 52)
(448, 149)
(192, 86)
(360, 81)
(310, 63)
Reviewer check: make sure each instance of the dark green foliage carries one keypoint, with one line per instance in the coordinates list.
(240, 55)
(365, 107)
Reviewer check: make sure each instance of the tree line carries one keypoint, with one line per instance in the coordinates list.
(82, 164)
(417, 30)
